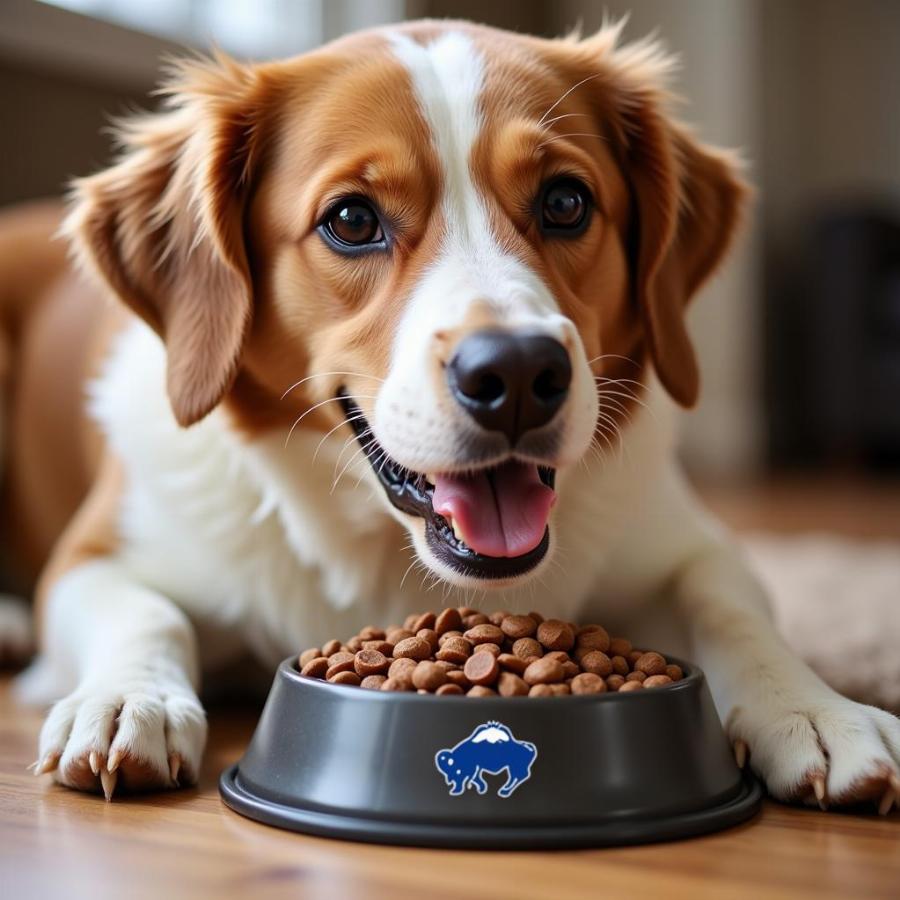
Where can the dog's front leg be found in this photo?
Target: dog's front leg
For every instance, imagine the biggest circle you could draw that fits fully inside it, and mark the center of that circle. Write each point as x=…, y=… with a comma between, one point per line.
x=805, y=741
x=133, y=717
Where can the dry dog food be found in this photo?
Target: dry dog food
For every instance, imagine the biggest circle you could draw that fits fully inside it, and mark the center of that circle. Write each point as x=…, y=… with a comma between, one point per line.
x=462, y=651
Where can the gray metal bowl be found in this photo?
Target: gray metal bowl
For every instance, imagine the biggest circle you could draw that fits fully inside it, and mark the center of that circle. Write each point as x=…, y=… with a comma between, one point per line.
x=491, y=772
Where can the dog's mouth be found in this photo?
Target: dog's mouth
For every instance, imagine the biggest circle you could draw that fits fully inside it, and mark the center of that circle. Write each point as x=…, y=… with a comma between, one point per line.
x=491, y=523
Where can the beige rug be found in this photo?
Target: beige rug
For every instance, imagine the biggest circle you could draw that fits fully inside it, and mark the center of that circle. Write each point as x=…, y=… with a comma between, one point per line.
x=837, y=603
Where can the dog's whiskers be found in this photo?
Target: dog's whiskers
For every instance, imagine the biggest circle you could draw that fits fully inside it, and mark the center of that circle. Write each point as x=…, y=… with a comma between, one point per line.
x=628, y=394
x=549, y=122
x=574, y=87
x=609, y=397
x=608, y=440
x=297, y=384
x=620, y=381
x=619, y=356
x=333, y=430
x=572, y=134
x=314, y=407
x=349, y=442
x=409, y=569
x=360, y=450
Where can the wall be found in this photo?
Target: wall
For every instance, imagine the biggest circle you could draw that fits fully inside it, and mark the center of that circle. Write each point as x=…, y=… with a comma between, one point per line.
x=829, y=114
x=61, y=77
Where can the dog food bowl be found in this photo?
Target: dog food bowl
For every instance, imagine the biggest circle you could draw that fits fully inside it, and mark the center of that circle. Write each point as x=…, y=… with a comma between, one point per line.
x=493, y=772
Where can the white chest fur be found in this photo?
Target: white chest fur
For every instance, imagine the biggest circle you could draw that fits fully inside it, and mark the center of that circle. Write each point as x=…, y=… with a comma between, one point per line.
x=252, y=537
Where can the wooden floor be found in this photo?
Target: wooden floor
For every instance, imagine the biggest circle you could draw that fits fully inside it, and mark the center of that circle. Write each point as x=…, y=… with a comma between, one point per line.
x=58, y=844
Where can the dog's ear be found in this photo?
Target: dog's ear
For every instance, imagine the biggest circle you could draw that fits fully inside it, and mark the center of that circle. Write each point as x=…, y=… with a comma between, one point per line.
x=687, y=200
x=163, y=227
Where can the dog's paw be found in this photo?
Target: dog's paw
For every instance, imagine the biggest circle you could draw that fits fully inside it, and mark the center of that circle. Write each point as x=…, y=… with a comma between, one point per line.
x=147, y=737
x=831, y=752
x=16, y=634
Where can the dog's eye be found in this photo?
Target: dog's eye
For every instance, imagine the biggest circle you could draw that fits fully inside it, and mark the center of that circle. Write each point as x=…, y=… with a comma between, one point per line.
x=564, y=206
x=353, y=223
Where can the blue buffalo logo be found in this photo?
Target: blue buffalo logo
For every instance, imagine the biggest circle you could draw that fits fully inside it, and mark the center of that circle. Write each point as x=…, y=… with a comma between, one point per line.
x=490, y=748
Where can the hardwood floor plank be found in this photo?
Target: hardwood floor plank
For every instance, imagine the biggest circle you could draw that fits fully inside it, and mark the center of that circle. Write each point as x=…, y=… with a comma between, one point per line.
x=57, y=843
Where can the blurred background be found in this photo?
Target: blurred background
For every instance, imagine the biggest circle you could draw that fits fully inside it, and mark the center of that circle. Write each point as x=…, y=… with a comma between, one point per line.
x=799, y=336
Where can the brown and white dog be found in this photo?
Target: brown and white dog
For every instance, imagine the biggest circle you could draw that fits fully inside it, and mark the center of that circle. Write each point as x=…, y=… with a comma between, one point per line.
x=405, y=310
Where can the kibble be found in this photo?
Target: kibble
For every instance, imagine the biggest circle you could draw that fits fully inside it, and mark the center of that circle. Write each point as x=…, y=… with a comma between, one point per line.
x=556, y=635
x=480, y=691
x=651, y=664
x=457, y=676
x=527, y=647
x=430, y=635
x=541, y=690
x=343, y=658
x=674, y=672
x=593, y=637
x=315, y=668
x=428, y=676
x=426, y=620
x=482, y=669
x=597, y=662
x=448, y=620
x=401, y=667
x=511, y=685
x=412, y=648
x=544, y=671
x=370, y=662
x=516, y=627
x=620, y=664
x=588, y=683
x=462, y=651
x=455, y=650
x=512, y=663
x=395, y=635
x=484, y=634
x=309, y=655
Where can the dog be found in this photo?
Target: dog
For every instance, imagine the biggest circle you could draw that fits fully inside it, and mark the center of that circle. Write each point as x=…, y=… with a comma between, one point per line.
x=404, y=313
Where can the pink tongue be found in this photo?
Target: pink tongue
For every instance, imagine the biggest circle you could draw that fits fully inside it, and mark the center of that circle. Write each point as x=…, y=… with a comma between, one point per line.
x=501, y=514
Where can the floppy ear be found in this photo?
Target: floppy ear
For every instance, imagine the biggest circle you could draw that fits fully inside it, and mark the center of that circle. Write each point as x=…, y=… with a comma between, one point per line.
x=687, y=198
x=163, y=227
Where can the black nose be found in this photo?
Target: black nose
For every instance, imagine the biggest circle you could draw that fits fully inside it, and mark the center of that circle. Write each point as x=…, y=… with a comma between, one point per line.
x=510, y=382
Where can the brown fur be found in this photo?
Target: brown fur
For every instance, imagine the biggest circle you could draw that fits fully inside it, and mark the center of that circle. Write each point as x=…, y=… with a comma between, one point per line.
x=205, y=228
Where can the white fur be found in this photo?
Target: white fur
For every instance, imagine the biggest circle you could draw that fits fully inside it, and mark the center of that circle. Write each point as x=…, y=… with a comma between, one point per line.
x=228, y=546
x=132, y=654
x=470, y=267
x=416, y=421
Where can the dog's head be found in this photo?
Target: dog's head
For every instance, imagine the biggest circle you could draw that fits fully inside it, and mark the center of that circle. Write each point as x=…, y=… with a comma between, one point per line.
x=447, y=236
